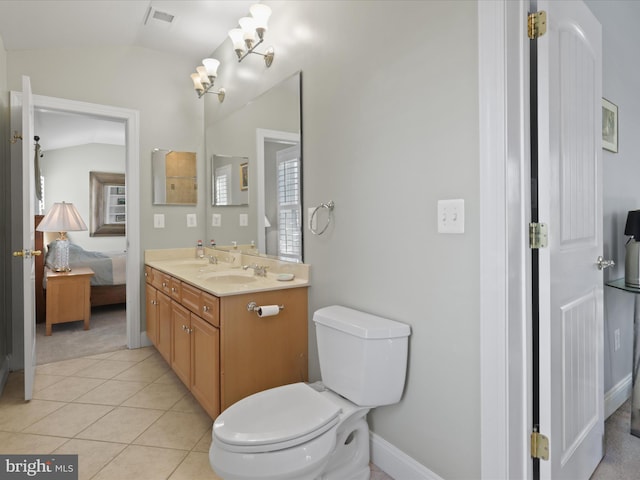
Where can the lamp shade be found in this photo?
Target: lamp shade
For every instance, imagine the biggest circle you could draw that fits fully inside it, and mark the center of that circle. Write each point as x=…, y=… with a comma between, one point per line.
x=63, y=217
x=261, y=14
x=632, y=228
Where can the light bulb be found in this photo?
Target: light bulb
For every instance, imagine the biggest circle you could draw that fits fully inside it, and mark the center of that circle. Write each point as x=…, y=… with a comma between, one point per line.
x=236, y=36
x=261, y=14
x=248, y=26
x=197, y=84
x=211, y=64
x=204, y=79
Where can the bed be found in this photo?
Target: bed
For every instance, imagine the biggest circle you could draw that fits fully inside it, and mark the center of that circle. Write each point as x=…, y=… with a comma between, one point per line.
x=108, y=284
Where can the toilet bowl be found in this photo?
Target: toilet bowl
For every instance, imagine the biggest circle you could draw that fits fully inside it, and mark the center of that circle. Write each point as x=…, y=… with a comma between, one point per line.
x=317, y=431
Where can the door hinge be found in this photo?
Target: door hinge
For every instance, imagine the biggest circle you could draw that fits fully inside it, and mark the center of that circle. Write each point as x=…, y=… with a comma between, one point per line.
x=537, y=24
x=538, y=235
x=539, y=446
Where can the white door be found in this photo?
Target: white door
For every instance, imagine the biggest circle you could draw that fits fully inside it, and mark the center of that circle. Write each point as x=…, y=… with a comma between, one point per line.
x=28, y=243
x=570, y=202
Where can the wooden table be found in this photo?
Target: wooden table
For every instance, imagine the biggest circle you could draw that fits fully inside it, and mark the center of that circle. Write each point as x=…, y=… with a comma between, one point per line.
x=68, y=297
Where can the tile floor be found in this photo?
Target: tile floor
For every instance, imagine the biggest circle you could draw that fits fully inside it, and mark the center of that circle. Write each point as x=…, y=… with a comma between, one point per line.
x=124, y=413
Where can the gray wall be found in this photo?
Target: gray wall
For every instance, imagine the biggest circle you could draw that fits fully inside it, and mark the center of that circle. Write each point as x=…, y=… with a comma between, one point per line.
x=390, y=125
x=390, y=122
x=621, y=77
x=66, y=178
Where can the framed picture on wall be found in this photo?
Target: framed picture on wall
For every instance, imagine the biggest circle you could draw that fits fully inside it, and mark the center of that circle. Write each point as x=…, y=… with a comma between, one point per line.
x=609, y=126
x=244, y=176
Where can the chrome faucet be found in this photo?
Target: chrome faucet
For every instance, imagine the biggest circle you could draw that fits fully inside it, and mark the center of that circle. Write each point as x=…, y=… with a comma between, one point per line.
x=213, y=260
x=259, y=270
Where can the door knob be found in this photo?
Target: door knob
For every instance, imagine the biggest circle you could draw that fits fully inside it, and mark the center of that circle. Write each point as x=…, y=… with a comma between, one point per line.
x=602, y=263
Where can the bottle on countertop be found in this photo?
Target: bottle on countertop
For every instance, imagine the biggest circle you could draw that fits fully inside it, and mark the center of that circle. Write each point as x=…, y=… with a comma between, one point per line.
x=199, y=250
x=213, y=243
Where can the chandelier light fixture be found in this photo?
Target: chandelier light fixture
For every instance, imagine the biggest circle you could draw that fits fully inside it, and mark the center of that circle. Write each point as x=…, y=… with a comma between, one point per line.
x=205, y=77
x=244, y=38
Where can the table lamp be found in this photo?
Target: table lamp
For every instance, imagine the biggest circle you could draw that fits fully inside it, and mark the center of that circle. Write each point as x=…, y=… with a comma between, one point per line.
x=632, y=257
x=62, y=218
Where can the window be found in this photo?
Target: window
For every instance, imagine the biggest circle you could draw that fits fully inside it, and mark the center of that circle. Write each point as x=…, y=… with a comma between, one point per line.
x=289, y=208
x=223, y=185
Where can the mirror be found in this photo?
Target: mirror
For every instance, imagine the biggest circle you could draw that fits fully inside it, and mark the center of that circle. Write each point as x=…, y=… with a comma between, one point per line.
x=230, y=180
x=264, y=134
x=108, y=201
x=175, y=179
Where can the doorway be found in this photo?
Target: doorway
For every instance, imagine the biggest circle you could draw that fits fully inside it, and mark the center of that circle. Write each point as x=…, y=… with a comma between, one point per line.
x=72, y=150
x=129, y=119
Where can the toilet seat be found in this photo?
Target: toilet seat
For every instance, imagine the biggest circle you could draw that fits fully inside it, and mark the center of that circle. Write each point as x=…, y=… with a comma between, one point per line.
x=275, y=419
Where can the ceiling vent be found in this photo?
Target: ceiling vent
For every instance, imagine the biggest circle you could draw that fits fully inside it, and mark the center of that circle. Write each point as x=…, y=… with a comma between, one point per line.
x=159, y=16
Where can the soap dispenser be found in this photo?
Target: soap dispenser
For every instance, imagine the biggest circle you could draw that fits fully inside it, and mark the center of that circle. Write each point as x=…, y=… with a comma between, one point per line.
x=199, y=250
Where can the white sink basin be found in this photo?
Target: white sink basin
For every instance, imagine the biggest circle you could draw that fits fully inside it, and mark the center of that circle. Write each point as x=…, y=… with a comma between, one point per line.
x=189, y=263
x=230, y=278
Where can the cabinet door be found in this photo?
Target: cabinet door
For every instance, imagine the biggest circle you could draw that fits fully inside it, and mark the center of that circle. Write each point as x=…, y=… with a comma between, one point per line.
x=261, y=353
x=181, y=347
x=152, y=314
x=205, y=365
x=163, y=335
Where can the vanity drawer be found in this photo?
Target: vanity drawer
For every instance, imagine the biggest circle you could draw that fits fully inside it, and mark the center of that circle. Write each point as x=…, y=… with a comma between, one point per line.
x=161, y=281
x=191, y=298
x=176, y=289
x=203, y=304
x=210, y=309
x=148, y=274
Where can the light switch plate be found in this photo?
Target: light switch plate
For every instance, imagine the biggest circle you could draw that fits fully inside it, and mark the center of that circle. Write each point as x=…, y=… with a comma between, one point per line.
x=451, y=216
x=216, y=220
x=192, y=220
x=244, y=219
x=158, y=220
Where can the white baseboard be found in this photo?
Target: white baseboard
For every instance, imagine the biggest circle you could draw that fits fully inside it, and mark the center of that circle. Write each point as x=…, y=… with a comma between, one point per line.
x=619, y=394
x=4, y=373
x=396, y=463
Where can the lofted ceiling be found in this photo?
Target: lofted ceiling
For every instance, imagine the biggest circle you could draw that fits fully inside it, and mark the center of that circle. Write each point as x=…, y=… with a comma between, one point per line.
x=196, y=30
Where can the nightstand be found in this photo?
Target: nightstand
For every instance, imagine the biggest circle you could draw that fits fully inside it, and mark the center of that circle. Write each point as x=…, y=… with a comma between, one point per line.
x=68, y=297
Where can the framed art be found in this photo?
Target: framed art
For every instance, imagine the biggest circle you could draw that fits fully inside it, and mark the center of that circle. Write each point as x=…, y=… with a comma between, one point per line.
x=244, y=176
x=609, y=126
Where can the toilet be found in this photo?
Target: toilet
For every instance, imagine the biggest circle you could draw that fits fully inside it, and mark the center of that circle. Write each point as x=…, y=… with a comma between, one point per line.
x=317, y=431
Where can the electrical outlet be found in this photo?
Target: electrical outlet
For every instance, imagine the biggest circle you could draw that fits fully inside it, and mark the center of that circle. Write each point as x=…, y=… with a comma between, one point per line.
x=616, y=340
x=192, y=220
x=451, y=216
x=216, y=220
x=158, y=220
x=244, y=219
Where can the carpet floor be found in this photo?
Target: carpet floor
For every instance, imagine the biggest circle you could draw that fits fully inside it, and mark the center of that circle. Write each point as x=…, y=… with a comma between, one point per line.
x=622, y=450
x=107, y=333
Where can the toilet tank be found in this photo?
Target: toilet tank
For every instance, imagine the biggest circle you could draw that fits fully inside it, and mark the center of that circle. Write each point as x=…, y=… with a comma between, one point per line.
x=363, y=357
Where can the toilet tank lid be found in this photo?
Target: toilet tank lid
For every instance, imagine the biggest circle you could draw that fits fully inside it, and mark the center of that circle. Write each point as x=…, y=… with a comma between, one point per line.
x=360, y=324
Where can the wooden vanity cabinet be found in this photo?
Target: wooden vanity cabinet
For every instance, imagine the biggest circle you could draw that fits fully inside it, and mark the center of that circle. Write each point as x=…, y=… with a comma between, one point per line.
x=220, y=350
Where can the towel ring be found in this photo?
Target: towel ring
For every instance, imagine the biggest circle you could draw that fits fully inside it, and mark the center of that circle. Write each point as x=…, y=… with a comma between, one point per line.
x=329, y=206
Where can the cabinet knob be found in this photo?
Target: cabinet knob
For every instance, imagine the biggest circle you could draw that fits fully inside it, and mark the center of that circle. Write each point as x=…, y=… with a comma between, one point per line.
x=164, y=284
x=205, y=308
x=173, y=289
